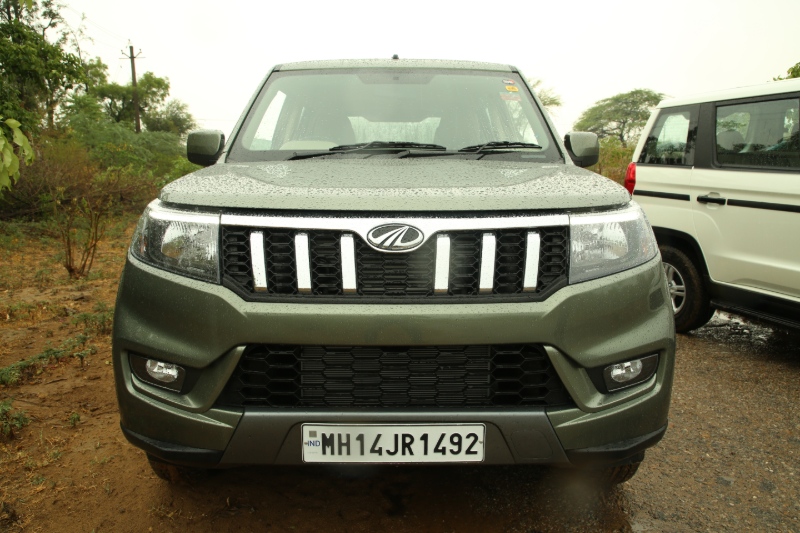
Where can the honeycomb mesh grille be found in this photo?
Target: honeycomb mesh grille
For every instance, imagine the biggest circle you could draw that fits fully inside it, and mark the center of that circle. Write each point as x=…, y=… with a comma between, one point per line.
x=281, y=266
x=465, y=263
x=326, y=263
x=382, y=275
x=372, y=376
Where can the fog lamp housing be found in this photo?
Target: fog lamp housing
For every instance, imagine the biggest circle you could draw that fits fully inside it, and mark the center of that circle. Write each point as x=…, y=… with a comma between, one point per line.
x=630, y=373
x=158, y=373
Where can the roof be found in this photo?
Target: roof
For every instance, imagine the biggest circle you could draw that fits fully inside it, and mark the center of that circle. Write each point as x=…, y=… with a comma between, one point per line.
x=763, y=89
x=395, y=63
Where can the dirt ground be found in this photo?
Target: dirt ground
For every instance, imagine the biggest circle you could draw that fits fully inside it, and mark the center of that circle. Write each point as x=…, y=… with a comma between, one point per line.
x=729, y=462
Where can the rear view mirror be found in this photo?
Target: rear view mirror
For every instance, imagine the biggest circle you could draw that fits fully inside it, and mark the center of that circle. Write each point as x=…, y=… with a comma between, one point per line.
x=583, y=148
x=203, y=147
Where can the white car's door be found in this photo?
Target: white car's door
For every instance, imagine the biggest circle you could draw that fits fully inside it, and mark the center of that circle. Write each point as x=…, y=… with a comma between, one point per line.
x=746, y=208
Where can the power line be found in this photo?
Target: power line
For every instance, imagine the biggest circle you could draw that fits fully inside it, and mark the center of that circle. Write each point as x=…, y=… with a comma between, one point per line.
x=95, y=41
x=95, y=24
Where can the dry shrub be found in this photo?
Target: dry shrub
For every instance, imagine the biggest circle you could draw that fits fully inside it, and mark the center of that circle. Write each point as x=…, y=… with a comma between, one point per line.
x=76, y=197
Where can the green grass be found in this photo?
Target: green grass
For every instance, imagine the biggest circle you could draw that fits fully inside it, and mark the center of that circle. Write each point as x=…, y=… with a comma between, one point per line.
x=15, y=372
x=24, y=310
x=97, y=323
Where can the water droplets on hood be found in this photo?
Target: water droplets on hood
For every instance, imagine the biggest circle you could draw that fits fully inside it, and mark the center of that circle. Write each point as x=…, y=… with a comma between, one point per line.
x=395, y=185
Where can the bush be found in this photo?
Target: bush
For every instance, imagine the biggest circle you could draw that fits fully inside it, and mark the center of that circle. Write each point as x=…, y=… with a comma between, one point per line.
x=75, y=195
x=614, y=159
x=114, y=144
x=11, y=420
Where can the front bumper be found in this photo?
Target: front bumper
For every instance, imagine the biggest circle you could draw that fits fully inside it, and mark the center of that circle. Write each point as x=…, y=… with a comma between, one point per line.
x=527, y=444
x=205, y=327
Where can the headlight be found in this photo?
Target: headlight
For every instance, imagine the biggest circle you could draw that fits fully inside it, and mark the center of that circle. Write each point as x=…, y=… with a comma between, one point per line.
x=603, y=244
x=179, y=241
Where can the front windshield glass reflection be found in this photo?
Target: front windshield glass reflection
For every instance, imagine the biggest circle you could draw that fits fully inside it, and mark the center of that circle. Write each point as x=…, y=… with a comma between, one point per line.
x=310, y=111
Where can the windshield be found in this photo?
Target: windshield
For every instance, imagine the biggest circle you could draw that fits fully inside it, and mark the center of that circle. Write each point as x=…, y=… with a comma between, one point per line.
x=305, y=112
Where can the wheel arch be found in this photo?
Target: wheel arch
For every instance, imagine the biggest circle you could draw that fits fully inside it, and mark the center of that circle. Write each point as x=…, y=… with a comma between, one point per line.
x=683, y=241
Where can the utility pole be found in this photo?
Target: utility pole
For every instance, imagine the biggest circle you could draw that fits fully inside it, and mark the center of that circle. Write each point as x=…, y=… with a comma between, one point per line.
x=135, y=91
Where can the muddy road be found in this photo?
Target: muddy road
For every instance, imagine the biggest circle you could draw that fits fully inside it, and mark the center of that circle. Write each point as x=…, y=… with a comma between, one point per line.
x=729, y=462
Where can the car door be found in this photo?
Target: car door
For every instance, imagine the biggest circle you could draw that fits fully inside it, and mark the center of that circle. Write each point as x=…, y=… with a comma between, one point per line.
x=746, y=195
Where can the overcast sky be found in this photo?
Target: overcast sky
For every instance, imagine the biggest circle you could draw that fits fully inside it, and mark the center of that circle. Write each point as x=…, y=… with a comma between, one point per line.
x=216, y=53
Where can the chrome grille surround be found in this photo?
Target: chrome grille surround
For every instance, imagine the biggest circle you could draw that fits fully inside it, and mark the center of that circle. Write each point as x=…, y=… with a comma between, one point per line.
x=266, y=258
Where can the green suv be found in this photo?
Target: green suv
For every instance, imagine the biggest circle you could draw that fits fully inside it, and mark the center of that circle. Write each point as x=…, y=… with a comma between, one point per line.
x=393, y=261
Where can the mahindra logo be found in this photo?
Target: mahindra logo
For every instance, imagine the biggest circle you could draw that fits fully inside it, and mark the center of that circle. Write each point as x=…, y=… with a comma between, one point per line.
x=395, y=237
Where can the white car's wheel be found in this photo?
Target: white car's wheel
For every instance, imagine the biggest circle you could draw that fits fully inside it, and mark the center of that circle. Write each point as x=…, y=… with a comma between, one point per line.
x=690, y=300
x=677, y=287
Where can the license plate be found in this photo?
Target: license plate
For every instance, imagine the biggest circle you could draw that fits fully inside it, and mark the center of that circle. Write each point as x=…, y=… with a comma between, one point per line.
x=393, y=443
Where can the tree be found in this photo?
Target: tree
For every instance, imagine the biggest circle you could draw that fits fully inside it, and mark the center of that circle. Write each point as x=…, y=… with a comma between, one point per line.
x=9, y=160
x=35, y=73
x=622, y=116
x=95, y=74
x=39, y=16
x=117, y=100
x=793, y=72
x=174, y=117
x=547, y=96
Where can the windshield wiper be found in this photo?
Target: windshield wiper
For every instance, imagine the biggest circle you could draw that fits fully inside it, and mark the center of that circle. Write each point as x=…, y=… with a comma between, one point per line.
x=494, y=145
x=383, y=146
x=386, y=145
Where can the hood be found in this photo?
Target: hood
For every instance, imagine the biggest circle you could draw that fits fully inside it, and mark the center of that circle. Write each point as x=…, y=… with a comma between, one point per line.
x=421, y=184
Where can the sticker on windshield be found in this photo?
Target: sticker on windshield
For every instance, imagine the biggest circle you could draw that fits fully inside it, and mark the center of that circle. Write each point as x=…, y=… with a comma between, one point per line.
x=512, y=89
x=510, y=97
x=509, y=82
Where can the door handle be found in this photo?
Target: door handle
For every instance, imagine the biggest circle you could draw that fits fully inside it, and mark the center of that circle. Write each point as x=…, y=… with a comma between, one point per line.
x=706, y=199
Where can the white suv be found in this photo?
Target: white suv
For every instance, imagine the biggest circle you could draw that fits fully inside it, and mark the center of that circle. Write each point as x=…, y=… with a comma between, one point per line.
x=719, y=178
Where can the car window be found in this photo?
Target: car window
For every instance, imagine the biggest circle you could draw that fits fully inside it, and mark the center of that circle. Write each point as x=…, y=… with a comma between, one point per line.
x=759, y=134
x=671, y=140
x=318, y=109
x=263, y=136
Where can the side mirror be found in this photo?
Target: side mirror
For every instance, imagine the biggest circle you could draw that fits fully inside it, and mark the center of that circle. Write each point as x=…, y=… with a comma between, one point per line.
x=204, y=146
x=583, y=148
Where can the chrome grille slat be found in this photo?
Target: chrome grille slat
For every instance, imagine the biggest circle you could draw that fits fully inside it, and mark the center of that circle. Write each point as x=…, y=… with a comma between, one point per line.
x=488, y=250
x=441, y=280
x=259, y=263
x=348, y=264
x=531, y=262
x=303, y=262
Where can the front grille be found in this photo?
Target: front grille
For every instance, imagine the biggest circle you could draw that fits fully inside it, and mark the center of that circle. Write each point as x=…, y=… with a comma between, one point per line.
x=407, y=376
x=402, y=276
x=382, y=274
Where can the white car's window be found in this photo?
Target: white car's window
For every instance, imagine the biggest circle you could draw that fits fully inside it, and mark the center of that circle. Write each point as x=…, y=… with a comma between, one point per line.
x=759, y=134
x=671, y=140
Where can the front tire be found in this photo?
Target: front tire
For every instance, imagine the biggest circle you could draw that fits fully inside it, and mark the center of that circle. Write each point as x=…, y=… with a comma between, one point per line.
x=176, y=473
x=690, y=300
x=605, y=477
x=616, y=475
